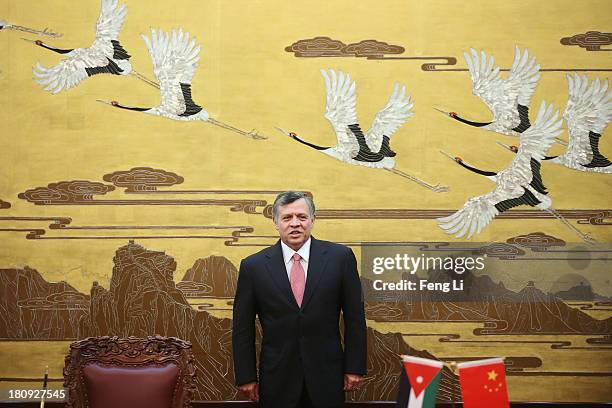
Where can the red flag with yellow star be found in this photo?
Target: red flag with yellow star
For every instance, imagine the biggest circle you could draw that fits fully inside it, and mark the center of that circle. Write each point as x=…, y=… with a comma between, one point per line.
x=483, y=383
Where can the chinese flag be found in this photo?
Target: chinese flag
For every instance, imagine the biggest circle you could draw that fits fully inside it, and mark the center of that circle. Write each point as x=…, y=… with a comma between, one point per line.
x=483, y=384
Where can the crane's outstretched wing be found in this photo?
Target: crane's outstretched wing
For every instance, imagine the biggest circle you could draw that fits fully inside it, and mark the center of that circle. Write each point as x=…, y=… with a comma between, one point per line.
x=479, y=211
x=395, y=113
x=503, y=96
x=588, y=112
x=71, y=71
x=340, y=108
x=175, y=58
x=107, y=31
x=65, y=75
x=535, y=141
x=524, y=74
x=110, y=20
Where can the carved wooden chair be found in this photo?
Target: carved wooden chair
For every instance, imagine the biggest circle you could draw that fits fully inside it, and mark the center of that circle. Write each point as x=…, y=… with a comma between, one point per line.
x=110, y=372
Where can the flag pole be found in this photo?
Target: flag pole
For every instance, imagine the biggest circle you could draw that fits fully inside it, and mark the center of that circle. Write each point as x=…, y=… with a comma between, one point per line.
x=45, y=383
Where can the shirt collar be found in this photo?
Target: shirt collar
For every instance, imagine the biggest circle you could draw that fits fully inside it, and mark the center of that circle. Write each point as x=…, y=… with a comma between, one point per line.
x=304, y=251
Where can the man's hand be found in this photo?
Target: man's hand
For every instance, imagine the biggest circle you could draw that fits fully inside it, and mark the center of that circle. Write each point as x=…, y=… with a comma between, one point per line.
x=251, y=390
x=352, y=382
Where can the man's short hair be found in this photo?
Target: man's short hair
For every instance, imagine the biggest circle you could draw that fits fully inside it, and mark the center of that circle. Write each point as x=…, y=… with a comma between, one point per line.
x=287, y=198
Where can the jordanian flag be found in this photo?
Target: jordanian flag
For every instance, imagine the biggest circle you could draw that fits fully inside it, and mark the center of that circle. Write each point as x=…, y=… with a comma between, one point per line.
x=421, y=386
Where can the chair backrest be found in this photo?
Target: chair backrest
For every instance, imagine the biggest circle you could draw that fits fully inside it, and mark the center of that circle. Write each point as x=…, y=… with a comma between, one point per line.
x=151, y=372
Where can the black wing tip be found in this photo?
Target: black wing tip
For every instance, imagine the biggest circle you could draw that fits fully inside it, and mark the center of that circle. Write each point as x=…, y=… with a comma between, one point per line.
x=364, y=154
x=524, y=117
x=599, y=160
x=110, y=68
x=536, y=179
x=119, y=53
x=526, y=199
x=191, y=108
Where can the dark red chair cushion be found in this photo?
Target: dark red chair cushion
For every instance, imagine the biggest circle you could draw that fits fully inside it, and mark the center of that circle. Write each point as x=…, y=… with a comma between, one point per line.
x=150, y=386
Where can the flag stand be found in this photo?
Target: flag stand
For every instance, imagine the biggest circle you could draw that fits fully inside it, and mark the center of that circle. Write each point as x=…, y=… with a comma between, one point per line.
x=455, y=385
x=45, y=384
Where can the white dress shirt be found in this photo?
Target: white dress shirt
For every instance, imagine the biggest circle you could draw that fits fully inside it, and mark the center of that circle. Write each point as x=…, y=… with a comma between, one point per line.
x=304, y=253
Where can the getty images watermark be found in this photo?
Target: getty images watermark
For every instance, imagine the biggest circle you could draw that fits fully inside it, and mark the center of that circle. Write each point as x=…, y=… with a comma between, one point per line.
x=403, y=273
x=508, y=272
x=409, y=264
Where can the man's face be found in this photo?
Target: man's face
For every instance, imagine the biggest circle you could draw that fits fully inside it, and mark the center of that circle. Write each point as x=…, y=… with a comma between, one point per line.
x=294, y=223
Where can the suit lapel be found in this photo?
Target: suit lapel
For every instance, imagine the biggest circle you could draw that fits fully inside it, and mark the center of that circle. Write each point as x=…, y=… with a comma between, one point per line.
x=316, y=267
x=275, y=264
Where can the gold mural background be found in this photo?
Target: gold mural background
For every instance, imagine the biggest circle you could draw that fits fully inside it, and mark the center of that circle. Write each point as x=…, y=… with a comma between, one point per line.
x=216, y=203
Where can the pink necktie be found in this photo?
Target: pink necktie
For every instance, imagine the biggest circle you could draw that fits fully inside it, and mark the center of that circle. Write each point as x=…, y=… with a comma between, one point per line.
x=298, y=282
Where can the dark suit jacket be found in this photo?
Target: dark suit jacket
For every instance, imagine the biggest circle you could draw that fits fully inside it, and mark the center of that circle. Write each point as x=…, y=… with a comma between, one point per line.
x=299, y=344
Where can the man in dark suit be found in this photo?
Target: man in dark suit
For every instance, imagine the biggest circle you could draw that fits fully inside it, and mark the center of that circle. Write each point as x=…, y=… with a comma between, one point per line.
x=297, y=288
